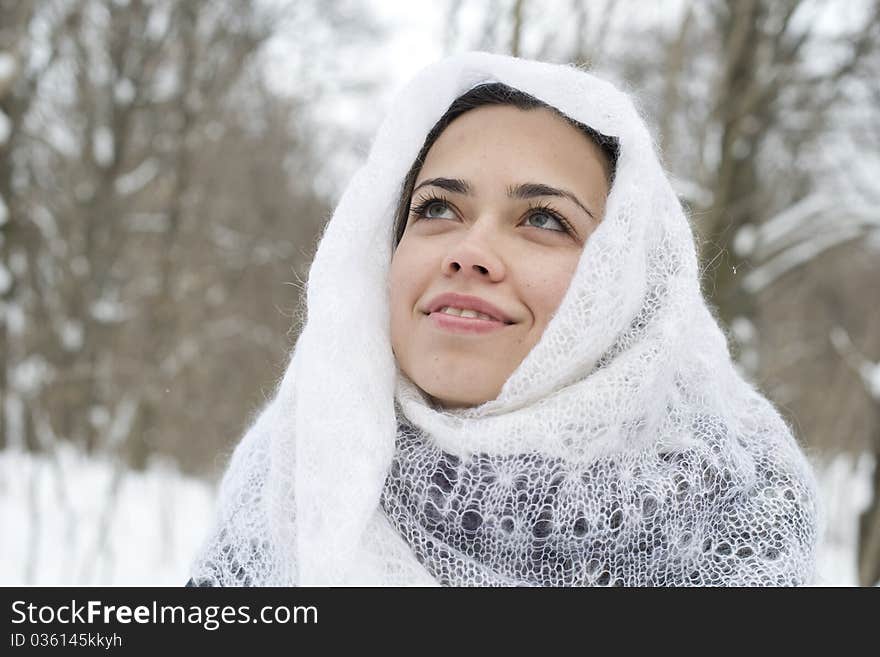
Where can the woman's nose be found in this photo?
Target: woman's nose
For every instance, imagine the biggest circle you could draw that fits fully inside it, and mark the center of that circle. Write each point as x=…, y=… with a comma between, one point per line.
x=473, y=258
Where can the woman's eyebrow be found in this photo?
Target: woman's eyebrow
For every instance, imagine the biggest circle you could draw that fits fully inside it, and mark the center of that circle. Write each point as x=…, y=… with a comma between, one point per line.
x=456, y=185
x=521, y=191
x=532, y=190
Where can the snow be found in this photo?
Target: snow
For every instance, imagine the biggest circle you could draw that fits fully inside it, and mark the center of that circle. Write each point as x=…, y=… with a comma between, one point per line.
x=157, y=21
x=744, y=332
x=5, y=127
x=99, y=416
x=867, y=370
x=71, y=335
x=845, y=484
x=155, y=520
x=871, y=376
x=7, y=67
x=18, y=262
x=794, y=217
x=800, y=233
x=29, y=375
x=138, y=178
x=62, y=140
x=45, y=221
x=743, y=329
x=15, y=318
x=102, y=146
x=745, y=241
x=108, y=311
x=121, y=422
x=691, y=191
x=123, y=92
x=792, y=258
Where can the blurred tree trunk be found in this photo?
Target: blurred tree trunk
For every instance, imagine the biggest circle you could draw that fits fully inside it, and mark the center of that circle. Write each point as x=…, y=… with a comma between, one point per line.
x=743, y=110
x=19, y=243
x=517, y=21
x=14, y=18
x=159, y=196
x=677, y=51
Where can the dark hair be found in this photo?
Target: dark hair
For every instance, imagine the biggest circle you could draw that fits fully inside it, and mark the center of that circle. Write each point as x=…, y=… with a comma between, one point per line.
x=494, y=93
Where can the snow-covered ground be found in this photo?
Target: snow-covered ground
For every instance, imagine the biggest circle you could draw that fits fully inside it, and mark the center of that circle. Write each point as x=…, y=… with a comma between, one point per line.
x=96, y=525
x=78, y=521
x=845, y=482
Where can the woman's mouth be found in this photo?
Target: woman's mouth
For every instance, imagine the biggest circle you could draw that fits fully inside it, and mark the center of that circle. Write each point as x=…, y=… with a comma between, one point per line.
x=455, y=320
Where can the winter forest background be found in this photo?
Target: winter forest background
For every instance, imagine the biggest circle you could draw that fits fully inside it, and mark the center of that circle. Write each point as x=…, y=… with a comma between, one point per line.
x=166, y=167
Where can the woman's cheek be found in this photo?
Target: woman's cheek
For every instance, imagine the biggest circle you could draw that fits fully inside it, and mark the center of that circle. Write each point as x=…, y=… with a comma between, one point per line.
x=552, y=282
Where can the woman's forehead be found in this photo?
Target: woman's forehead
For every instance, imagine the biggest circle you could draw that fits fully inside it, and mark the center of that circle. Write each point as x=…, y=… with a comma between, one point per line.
x=505, y=146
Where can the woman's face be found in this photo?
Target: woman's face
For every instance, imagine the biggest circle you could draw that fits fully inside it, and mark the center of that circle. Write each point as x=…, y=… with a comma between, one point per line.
x=503, y=205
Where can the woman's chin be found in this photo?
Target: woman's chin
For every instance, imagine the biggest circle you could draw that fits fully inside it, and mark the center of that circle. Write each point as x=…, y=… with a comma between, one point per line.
x=453, y=397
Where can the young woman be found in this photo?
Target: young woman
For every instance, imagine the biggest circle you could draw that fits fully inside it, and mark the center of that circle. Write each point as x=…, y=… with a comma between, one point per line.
x=508, y=374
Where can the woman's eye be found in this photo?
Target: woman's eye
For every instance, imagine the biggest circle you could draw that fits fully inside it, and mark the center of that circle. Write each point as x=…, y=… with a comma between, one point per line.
x=546, y=219
x=435, y=209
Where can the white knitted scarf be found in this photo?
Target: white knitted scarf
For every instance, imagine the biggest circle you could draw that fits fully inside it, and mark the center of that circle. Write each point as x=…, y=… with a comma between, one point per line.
x=625, y=448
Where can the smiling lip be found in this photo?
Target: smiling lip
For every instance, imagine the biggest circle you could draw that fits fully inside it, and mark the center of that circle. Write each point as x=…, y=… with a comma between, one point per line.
x=466, y=302
x=473, y=325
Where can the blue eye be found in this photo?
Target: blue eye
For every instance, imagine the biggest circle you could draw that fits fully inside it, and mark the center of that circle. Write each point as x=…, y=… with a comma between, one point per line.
x=434, y=209
x=547, y=217
x=431, y=207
